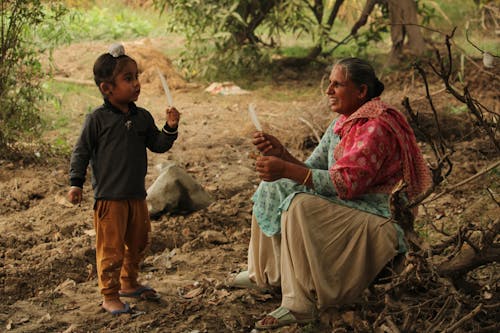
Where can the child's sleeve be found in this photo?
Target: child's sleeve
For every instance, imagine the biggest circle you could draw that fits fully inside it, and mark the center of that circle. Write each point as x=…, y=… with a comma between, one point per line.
x=81, y=153
x=160, y=141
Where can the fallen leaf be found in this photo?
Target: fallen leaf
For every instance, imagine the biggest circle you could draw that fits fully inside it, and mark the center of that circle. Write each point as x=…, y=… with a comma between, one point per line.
x=45, y=318
x=72, y=328
x=487, y=295
x=193, y=293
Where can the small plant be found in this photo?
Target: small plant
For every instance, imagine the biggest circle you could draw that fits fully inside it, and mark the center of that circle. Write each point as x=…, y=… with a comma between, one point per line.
x=458, y=109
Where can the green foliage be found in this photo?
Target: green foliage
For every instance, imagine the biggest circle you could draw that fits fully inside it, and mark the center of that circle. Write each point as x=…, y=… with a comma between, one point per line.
x=426, y=12
x=294, y=51
x=377, y=31
x=216, y=35
x=231, y=36
x=458, y=109
x=20, y=69
x=108, y=23
x=63, y=113
x=452, y=12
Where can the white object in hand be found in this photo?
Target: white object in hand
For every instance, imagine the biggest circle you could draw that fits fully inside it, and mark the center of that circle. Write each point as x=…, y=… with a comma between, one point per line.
x=253, y=116
x=165, y=88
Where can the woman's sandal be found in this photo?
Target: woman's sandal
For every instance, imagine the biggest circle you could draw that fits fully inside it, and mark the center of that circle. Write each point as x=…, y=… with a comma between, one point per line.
x=242, y=280
x=283, y=317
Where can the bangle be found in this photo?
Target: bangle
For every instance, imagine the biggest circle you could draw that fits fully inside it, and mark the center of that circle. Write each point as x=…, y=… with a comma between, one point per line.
x=307, y=176
x=168, y=132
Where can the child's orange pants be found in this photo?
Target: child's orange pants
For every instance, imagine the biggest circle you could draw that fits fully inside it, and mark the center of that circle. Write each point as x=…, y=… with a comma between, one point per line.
x=122, y=236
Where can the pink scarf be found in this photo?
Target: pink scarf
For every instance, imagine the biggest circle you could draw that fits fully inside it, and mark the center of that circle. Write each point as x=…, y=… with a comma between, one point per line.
x=416, y=174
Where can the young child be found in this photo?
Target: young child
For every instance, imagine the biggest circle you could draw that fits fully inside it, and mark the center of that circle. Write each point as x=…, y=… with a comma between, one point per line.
x=114, y=139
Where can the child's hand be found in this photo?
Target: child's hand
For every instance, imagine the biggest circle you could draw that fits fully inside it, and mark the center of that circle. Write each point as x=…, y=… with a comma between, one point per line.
x=173, y=117
x=75, y=195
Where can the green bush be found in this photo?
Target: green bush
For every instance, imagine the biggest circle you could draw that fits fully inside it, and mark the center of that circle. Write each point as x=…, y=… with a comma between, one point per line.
x=109, y=21
x=20, y=69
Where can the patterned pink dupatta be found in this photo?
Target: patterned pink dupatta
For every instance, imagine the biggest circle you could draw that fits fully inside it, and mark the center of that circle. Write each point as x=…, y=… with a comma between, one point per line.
x=416, y=174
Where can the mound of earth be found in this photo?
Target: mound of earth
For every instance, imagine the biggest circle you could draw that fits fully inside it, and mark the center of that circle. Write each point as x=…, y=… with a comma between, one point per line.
x=74, y=63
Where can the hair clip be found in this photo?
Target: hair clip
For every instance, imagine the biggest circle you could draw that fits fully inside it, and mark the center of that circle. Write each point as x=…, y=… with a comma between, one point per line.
x=116, y=50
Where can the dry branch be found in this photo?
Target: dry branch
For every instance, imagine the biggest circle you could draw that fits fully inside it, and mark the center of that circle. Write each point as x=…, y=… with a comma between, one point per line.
x=471, y=178
x=464, y=319
x=469, y=258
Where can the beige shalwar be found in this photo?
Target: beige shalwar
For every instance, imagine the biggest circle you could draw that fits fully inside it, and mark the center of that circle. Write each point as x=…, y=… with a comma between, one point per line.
x=326, y=254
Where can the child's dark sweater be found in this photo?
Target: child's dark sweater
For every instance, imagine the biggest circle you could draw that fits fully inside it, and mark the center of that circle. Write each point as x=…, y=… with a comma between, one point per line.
x=115, y=145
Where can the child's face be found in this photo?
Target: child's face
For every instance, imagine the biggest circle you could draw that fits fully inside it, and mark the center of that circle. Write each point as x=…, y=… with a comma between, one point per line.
x=126, y=87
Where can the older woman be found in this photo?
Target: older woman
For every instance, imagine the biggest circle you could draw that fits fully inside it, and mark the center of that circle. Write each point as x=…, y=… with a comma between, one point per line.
x=321, y=229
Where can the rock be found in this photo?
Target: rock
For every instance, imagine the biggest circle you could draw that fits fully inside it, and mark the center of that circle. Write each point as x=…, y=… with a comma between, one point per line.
x=164, y=260
x=175, y=191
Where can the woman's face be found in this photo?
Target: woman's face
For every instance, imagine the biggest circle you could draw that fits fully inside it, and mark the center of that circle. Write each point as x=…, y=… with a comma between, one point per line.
x=343, y=95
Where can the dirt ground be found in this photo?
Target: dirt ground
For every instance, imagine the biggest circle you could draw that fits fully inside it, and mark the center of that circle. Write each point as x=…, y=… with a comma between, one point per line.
x=47, y=267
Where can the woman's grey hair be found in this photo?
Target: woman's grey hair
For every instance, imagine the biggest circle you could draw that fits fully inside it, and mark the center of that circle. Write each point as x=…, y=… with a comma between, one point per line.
x=361, y=72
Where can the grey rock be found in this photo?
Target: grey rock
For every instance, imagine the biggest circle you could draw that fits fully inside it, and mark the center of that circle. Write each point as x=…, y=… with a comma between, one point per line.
x=175, y=191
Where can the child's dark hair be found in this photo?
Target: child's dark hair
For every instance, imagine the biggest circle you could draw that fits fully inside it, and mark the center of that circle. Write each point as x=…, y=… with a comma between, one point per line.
x=106, y=67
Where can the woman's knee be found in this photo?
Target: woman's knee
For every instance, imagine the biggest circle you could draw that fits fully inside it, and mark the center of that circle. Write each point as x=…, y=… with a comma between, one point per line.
x=300, y=201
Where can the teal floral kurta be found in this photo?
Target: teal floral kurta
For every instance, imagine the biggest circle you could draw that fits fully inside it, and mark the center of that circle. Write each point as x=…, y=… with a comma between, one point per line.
x=271, y=198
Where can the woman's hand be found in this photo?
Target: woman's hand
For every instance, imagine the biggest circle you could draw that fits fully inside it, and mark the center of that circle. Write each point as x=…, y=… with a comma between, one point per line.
x=268, y=145
x=270, y=168
x=75, y=195
x=173, y=117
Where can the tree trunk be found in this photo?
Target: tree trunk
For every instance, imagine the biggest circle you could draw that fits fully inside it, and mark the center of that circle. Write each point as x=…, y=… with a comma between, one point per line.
x=404, y=22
